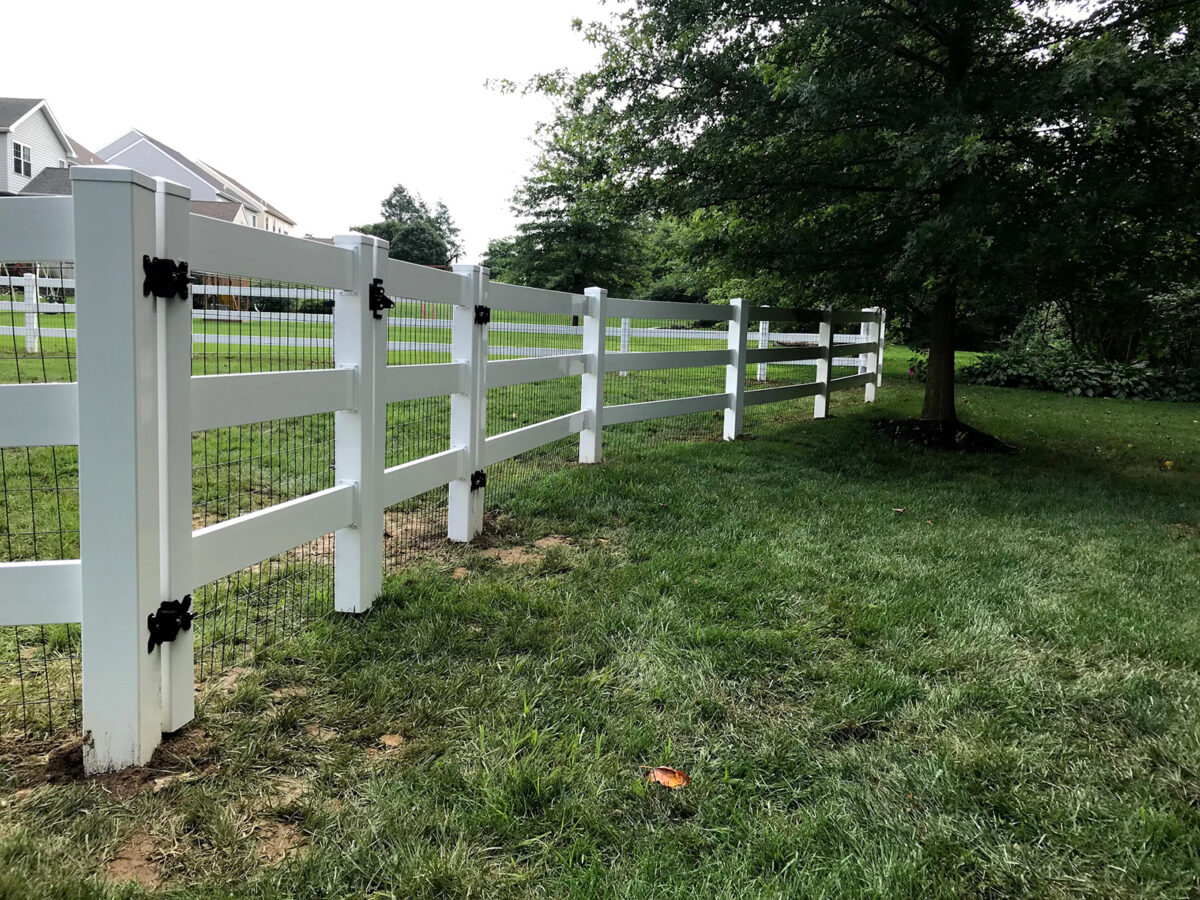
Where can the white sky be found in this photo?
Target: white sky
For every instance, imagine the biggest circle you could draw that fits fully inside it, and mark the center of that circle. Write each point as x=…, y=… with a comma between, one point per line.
x=321, y=108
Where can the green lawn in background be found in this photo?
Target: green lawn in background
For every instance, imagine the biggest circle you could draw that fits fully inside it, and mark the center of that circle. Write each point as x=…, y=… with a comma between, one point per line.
x=992, y=693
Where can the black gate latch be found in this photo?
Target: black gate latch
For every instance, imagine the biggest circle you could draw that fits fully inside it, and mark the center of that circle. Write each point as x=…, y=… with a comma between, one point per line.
x=478, y=480
x=483, y=315
x=165, y=278
x=173, y=616
x=378, y=300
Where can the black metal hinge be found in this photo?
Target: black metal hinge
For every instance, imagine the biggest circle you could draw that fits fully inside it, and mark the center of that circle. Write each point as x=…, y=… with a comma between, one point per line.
x=173, y=616
x=483, y=315
x=165, y=278
x=478, y=480
x=378, y=300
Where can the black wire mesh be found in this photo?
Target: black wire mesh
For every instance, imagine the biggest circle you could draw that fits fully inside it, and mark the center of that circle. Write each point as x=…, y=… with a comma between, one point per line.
x=418, y=333
x=246, y=325
x=517, y=335
x=39, y=500
x=646, y=335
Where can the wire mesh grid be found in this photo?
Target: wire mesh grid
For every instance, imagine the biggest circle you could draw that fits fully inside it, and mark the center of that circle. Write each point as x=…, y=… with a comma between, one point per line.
x=645, y=335
x=418, y=333
x=246, y=325
x=515, y=335
x=39, y=500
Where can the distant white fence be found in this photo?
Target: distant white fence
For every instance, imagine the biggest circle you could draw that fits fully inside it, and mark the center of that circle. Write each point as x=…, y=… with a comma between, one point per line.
x=32, y=328
x=136, y=404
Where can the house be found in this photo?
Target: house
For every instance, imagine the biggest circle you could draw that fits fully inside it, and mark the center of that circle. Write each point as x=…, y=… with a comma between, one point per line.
x=138, y=150
x=225, y=210
x=31, y=141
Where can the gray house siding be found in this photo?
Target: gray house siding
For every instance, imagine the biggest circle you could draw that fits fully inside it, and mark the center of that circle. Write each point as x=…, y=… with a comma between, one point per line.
x=47, y=151
x=145, y=157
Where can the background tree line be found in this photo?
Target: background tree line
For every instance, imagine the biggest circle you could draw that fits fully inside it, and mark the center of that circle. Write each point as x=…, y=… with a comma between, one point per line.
x=984, y=169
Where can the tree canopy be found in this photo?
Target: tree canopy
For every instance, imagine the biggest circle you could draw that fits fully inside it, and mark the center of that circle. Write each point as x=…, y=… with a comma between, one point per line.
x=567, y=240
x=416, y=233
x=937, y=157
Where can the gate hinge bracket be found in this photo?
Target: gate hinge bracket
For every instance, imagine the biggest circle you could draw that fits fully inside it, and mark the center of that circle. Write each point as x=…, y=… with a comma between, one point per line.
x=478, y=480
x=377, y=299
x=165, y=278
x=483, y=315
x=173, y=616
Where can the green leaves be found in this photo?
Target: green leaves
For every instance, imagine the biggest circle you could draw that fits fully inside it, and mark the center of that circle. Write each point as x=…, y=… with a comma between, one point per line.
x=855, y=151
x=416, y=233
x=1065, y=373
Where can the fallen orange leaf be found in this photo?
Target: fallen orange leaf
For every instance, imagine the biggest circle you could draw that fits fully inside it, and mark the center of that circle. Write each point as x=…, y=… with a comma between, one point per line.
x=668, y=777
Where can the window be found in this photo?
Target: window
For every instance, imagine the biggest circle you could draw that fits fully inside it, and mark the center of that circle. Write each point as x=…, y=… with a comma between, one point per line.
x=22, y=160
x=253, y=220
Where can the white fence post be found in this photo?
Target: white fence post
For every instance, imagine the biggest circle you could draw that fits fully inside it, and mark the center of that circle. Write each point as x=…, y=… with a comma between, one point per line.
x=764, y=341
x=624, y=338
x=595, y=331
x=114, y=212
x=869, y=362
x=864, y=331
x=30, y=296
x=879, y=354
x=360, y=343
x=735, y=371
x=824, y=366
x=175, y=454
x=468, y=411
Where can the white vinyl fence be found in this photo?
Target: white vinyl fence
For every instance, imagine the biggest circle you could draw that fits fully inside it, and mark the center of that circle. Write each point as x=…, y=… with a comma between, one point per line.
x=135, y=406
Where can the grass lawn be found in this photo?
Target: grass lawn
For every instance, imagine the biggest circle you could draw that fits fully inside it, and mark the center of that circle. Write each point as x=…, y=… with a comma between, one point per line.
x=994, y=693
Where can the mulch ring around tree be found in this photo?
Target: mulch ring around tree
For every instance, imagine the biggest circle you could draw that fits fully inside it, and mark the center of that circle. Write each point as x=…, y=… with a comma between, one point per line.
x=943, y=436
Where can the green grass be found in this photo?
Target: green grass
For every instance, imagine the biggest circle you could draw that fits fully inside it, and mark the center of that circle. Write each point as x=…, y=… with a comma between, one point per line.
x=241, y=469
x=992, y=694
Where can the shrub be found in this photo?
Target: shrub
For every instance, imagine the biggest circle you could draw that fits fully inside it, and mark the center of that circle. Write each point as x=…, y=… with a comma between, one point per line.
x=1066, y=373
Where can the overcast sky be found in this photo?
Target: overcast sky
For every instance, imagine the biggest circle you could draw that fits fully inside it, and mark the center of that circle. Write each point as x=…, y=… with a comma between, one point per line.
x=321, y=108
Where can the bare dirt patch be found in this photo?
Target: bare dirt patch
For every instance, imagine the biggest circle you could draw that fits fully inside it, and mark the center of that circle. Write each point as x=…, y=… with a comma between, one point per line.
x=402, y=533
x=224, y=682
x=518, y=556
x=320, y=732
x=287, y=789
x=185, y=752
x=277, y=841
x=389, y=744
x=512, y=556
x=136, y=861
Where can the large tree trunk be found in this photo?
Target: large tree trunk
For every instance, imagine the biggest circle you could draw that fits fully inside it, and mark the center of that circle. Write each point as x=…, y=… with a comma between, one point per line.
x=939, y=380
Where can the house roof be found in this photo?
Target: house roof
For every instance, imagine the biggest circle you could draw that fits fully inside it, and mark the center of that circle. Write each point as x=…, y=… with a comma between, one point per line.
x=113, y=149
x=58, y=181
x=216, y=209
x=219, y=181
x=84, y=156
x=51, y=180
x=13, y=110
x=237, y=187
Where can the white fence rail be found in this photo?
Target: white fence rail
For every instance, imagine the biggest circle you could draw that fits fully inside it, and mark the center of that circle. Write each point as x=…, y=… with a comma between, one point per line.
x=136, y=405
x=780, y=341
